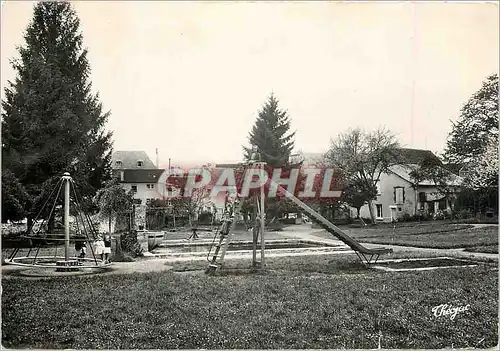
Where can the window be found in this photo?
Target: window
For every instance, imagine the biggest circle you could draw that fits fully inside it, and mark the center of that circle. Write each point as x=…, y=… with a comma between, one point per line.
x=118, y=163
x=379, y=211
x=134, y=188
x=399, y=195
x=150, y=186
x=140, y=163
x=422, y=196
x=442, y=205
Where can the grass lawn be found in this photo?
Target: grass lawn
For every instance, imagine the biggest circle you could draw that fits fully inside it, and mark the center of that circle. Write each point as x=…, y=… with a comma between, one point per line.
x=425, y=235
x=484, y=248
x=304, y=302
x=468, y=237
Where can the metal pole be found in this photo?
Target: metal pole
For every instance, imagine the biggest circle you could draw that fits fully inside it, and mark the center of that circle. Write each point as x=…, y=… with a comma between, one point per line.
x=67, y=178
x=262, y=222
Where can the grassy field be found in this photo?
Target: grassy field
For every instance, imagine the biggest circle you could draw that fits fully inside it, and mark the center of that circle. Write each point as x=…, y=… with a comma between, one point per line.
x=484, y=248
x=426, y=235
x=304, y=302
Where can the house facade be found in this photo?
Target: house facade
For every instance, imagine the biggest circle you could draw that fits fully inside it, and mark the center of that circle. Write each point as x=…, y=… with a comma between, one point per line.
x=399, y=195
x=137, y=173
x=143, y=183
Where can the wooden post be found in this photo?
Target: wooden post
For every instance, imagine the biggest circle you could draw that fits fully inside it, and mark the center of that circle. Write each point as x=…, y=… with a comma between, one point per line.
x=255, y=233
x=262, y=222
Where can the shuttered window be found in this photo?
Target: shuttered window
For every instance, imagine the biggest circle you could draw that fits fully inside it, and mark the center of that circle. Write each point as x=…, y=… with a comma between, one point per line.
x=399, y=195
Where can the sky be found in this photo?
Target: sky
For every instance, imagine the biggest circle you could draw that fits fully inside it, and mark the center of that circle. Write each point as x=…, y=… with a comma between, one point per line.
x=188, y=78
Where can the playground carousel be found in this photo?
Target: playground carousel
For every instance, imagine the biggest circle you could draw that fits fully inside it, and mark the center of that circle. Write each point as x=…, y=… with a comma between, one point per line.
x=51, y=250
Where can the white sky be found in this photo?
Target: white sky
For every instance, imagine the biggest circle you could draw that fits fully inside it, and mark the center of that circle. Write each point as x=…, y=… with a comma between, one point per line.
x=188, y=78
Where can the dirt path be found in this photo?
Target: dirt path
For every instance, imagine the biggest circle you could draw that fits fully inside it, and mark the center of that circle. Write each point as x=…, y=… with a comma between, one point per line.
x=303, y=232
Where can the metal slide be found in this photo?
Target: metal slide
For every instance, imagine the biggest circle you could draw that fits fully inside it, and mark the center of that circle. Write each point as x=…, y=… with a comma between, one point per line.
x=365, y=254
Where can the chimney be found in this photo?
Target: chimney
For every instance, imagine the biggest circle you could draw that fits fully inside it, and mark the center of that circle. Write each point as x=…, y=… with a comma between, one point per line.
x=157, y=159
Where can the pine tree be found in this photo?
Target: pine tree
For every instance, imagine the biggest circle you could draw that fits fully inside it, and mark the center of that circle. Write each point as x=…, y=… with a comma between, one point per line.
x=51, y=121
x=270, y=135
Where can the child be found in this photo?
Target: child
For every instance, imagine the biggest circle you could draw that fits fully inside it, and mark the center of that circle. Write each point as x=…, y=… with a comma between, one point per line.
x=83, y=250
x=107, y=247
x=99, y=247
x=78, y=248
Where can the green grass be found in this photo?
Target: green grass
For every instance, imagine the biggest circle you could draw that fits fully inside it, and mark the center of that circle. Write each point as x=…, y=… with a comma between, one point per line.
x=347, y=263
x=427, y=263
x=469, y=237
x=405, y=229
x=425, y=235
x=304, y=302
x=484, y=248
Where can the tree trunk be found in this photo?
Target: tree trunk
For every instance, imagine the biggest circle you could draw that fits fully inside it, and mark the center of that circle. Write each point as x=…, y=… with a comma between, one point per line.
x=416, y=200
x=358, y=210
x=255, y=234
x=109, y=225
x=30, y=223
x=370, y=207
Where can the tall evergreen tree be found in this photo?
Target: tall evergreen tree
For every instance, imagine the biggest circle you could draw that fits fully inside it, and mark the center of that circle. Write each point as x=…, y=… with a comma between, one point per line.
x=270, y=135
x=51, y=121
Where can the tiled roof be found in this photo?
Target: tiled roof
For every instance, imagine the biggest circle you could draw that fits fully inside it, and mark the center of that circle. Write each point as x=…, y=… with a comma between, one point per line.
x=415, y=156
x=129, y=160
x=404, y=172
x=139, y=175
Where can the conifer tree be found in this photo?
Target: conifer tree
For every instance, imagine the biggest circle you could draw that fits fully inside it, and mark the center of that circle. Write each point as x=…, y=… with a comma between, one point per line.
x=270, y=135
x=51, y=121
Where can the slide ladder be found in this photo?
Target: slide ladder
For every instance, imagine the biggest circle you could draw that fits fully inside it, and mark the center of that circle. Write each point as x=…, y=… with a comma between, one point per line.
x=224, y=234
x=225, y=230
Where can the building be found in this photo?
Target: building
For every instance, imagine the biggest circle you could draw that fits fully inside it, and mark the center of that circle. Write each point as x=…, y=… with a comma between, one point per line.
x=398, y=195
x=137, y=173
x=142, y=182
x=131, y=160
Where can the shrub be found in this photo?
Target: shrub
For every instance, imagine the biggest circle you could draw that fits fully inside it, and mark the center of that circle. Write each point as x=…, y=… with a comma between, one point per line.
x=130, y=244
x=406, y=217
x=275, y=226
x=288, y=220
x=438, y=215
x=205, y=217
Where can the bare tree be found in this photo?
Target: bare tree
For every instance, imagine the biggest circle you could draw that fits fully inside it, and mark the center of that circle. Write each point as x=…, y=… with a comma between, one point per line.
x=192, y=200
x=363, y=157
x=197, y=200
